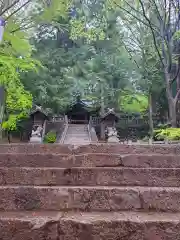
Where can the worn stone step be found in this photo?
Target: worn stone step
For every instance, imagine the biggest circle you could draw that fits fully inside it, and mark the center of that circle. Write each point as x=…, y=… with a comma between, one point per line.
x=77, y=132
x=120, y=226
x=89, y=160
x=108, y=176
x=72, y=135
x=92, y=148
x=150, y=160
x=77, y=140
x=29, y=225
x=57, y=160
x=78, y=137
x=75, y=136
x=90, y=226
x=89, y=198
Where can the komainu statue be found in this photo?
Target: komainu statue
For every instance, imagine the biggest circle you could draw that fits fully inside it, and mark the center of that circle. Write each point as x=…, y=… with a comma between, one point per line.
x=36, y=135
x=112, y=135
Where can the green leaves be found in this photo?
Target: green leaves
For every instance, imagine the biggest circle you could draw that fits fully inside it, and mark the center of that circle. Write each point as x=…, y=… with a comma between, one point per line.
x=16, y=52
x=15, y=42
x=52, y=11
x=134, y=103
x=113, y=4
x=80, y=29
x=18, y=100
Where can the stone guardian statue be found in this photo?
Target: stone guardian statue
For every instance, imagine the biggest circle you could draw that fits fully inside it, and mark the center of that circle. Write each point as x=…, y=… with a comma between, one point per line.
x=112, y=135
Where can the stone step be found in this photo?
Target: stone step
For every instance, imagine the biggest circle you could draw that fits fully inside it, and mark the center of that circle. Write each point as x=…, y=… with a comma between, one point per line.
x=78, y=133
x=77, y=138
x=108, y=176
x=77, y=125
x=88, y=160
x=80, y=143
x=90, y=198
x=90, y=226
x=79, y=130
x=69, y=134
x=93, y=148
x=82, y=128
x=75, y=141
x=29, y=225
x=120, y=226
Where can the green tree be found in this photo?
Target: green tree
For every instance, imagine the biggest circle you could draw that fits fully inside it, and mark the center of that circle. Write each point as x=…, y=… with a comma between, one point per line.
x=134, y=103
x=100, y=67
x=162, y=20
x=16, y=50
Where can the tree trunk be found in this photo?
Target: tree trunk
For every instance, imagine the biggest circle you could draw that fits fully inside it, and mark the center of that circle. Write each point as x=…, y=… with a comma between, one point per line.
x=9, y=137
x=178, y=75
x=172, y=110
x=173, y=113
x=151, y=125
x=171, y=101
x=102, y=112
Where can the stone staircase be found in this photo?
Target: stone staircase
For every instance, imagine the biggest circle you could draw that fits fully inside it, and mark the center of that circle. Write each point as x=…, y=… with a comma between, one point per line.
x=91, y=192
x=77, y=134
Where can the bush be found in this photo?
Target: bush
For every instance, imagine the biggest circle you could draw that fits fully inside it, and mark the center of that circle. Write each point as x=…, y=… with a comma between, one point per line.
x=50, y=137
x=164, y=125
x=167, y=134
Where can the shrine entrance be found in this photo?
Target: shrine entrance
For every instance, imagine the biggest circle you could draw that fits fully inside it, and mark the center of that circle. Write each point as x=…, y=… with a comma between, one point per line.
x=78, y=113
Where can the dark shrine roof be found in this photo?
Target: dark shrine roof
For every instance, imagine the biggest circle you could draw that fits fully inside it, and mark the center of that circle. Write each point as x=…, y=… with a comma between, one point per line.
x=80, y=104
x=108, y=113
x=39, y=109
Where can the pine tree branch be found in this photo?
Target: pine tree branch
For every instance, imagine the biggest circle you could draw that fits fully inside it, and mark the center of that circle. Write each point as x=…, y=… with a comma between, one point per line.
x=23, y=27
x=9, y=7
x=18, y=9
x=157, y=10
x=152, y=31
x=129, y=13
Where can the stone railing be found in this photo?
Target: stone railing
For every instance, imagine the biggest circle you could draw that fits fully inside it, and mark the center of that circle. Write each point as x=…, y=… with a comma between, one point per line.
x=57, y=125
x=64, y=132
x=44, y=130
x=132, y=121
x=92, y=132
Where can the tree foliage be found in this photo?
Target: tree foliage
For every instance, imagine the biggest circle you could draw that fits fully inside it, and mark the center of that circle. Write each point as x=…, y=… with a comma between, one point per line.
x=117, y=53
x=100, y=67
x=16, y=51
x=135, y=103
x=161, y=19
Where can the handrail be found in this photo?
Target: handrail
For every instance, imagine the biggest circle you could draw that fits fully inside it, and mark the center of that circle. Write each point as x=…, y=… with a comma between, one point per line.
x=65, y=130
x=93, y=133
x=44, y=131
x=89, y=131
